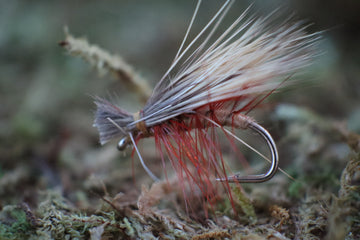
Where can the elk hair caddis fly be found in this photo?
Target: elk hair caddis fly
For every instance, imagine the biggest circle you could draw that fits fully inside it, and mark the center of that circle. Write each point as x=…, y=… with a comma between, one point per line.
x=218, y=82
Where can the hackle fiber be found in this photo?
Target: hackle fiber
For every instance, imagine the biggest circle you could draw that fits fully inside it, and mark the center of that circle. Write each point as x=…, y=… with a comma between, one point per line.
x=250, y=58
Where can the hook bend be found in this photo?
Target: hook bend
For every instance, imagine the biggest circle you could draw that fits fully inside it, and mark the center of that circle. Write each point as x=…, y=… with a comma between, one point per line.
x=274, y=160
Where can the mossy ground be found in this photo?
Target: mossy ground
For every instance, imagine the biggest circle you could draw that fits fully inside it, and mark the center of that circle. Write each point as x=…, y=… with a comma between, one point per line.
x=56, y=182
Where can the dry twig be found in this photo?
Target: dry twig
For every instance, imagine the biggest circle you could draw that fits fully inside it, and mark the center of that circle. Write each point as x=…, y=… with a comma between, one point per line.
x=104, y=62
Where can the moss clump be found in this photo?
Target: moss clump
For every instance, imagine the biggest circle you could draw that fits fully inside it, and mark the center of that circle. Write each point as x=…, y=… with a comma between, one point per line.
x=59, y=220
x=14, y=223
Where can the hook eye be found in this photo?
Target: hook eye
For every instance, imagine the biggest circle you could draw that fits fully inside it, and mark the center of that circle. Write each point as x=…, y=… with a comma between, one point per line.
x=122, y=144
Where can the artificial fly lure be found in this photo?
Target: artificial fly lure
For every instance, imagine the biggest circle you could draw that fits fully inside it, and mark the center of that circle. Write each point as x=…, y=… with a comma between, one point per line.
x=218, y=82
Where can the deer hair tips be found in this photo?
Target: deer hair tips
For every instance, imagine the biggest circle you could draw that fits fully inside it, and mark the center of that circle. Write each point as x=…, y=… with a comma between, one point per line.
x=215, y=86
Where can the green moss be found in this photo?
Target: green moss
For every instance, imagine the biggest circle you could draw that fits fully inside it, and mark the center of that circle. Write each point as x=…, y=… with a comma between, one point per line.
x=14, y=224
x=130, y=231
x=296, y=189
x=244, y=203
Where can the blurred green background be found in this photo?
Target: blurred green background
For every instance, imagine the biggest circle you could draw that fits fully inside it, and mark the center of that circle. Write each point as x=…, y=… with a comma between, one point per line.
x=46, y=111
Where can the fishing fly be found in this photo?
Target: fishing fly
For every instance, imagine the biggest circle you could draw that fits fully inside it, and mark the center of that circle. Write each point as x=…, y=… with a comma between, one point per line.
x=217, y=83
